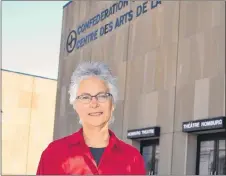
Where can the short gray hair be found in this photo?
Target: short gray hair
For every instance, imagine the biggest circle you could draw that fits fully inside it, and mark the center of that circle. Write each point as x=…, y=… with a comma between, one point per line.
x=88, y=69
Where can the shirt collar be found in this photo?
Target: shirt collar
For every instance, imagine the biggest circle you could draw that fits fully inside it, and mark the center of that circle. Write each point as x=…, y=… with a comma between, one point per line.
x=78, y=139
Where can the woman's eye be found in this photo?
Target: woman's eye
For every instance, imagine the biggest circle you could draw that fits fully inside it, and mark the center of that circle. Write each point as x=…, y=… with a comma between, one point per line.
x=102, y=96
x=85, y=97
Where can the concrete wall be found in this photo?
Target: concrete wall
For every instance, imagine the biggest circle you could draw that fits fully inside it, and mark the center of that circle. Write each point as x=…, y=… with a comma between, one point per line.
x=171, y=68
x=28, y=105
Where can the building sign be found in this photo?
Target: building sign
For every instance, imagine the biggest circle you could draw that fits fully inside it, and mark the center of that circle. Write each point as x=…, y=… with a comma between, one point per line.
x=143, y=133
x=204, y=124
x=77, y=39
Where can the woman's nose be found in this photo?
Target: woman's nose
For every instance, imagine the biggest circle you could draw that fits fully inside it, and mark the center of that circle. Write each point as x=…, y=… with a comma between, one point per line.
x=94, y=102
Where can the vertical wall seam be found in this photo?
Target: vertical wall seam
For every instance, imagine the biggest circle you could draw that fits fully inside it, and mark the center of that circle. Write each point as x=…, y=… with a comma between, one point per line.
x=126, y=75
x=224, y=60
x=175, y=94
x=29, y=129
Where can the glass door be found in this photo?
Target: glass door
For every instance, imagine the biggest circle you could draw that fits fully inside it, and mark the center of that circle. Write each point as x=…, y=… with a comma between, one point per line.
x=206, y=158
x=147, y=154
x=221, y=158
x=150, y=153
x=156, y=159
x=211, y=156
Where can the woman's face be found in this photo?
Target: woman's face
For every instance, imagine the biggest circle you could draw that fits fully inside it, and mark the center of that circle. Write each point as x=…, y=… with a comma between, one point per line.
x=93, y=112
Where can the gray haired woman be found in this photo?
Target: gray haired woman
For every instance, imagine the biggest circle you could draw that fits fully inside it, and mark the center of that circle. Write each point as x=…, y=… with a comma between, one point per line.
x=94, y=148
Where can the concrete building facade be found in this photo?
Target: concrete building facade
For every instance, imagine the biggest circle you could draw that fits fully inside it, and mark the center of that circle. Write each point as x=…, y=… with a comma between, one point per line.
x=169, y=57
x=27, y=118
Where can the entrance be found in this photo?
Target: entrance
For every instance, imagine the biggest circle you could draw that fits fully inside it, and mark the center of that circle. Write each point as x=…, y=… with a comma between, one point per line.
x=211, y=155
x=150, y=152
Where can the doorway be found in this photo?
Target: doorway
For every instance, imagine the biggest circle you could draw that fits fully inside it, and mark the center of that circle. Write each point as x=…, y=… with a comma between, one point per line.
x=150, y=152
x=211, y=154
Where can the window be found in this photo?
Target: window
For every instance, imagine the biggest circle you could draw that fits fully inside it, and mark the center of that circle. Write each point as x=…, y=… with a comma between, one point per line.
x=150, y=152
x=211, y=155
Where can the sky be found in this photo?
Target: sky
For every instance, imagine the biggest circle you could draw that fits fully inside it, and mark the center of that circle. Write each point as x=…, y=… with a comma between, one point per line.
x=31, y=34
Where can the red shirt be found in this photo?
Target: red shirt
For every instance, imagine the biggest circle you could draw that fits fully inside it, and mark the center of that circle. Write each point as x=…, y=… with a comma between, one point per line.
x=70, y=155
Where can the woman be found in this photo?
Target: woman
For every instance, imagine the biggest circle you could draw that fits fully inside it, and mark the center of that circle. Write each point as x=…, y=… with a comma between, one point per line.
x=94, y=149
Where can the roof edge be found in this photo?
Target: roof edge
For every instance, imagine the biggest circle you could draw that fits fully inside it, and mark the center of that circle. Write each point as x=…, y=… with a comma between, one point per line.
x=67, y=4
x=21, y=73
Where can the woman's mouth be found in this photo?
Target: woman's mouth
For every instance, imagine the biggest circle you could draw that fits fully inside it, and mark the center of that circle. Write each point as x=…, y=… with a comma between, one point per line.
x=95, y=113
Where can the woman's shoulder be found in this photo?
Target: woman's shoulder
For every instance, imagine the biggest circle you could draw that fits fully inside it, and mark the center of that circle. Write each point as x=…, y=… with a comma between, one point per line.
x=59, y=144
